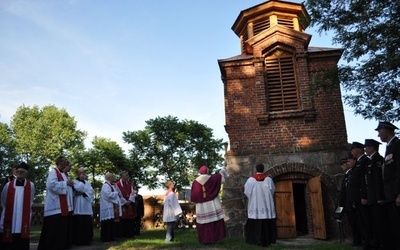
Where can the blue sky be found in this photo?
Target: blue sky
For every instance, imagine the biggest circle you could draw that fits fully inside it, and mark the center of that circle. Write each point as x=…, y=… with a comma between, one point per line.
x=115, y=64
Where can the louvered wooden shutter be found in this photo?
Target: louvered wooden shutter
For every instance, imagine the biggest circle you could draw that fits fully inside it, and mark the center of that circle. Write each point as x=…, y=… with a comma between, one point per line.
x=281, y=83
x=260, y=26
x=288, y=22
x=245, y=36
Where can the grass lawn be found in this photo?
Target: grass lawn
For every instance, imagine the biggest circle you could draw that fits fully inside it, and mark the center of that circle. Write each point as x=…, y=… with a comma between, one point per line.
x=187, y=239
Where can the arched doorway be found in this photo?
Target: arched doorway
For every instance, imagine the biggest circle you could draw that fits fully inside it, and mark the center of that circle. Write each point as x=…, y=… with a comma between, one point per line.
x=303, y=201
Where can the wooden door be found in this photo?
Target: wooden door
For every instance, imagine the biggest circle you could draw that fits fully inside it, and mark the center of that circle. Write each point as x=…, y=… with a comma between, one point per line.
x=284, y=205
x=317, y=208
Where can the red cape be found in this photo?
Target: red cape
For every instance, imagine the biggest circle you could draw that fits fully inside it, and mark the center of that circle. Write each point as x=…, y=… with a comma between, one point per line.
x=212, y=188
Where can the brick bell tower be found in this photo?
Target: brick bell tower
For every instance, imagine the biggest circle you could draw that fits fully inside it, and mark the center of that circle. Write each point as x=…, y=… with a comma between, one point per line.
x=283, y=108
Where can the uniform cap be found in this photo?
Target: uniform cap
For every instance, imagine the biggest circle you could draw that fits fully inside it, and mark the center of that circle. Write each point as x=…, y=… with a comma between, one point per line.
x=372, y=142
x=357, y=145
x=386, y=125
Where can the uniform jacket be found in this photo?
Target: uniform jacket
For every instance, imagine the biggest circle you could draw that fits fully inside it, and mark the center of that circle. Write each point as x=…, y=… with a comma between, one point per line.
x=391, y=170
x=373, y=188
x=139, y=205
x=352, y=184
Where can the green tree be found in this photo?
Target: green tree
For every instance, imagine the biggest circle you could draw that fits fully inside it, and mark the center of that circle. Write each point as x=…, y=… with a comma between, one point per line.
x=105, y=156
x=369, y=33
x=171, y=149
x=7, y=151
x=41, y=135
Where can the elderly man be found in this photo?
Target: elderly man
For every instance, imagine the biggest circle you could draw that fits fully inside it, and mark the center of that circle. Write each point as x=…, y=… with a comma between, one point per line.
x=391, y=183
x=83, y=211
x=16, y=200
x=209, y=214
x=125, y=190
x=110, y=209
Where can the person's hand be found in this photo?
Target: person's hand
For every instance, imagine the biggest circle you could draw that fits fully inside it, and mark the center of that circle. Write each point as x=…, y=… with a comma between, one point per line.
x=70, y=183
x=398, y=201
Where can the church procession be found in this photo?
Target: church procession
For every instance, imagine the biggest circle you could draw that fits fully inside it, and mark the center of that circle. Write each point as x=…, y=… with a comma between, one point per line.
x=288, y=173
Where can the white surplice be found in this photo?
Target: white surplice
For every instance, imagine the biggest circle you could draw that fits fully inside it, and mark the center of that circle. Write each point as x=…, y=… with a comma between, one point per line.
x=171, y=208
x=260, y=196
x=54, y=188
x=108, y=197
x=82, y=204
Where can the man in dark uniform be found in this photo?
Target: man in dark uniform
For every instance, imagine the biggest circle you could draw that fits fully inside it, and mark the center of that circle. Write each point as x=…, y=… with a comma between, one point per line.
x=372, y=195
x=391, y=181
x=351, y=193
x=139, y=210
x=357, y=183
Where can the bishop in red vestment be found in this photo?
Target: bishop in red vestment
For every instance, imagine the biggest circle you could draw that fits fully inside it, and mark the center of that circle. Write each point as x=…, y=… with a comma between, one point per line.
x=209, y=214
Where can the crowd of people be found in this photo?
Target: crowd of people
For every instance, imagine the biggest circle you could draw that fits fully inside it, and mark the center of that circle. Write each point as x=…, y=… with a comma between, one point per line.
x=68, y=208
x=370, y=197
x=121, y=208
x=370, y=191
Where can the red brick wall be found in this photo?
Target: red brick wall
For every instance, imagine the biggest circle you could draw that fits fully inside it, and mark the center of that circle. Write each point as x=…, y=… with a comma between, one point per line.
x=245, y=100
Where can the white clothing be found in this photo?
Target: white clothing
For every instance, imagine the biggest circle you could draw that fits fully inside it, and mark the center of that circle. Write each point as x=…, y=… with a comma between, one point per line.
x=261, y=198
x=18, y=206
x=171, y=208
x=108, y=197
x=211, y=211
x=70, y=192
x=83, y=205
x=53, y=189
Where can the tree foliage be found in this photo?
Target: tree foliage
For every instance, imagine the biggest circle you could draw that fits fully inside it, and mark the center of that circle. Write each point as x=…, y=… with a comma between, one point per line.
x=105, y=156
x=41, y=135
x=369, y=33
x=169, y=149
x=8, y=155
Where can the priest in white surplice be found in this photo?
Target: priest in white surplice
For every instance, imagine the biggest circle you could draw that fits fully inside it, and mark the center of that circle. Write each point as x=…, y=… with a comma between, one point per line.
x=260, y=228
x=110, y=209
x=83, y=211
x=76, y=186
x=16, y=201
x=56, y=209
